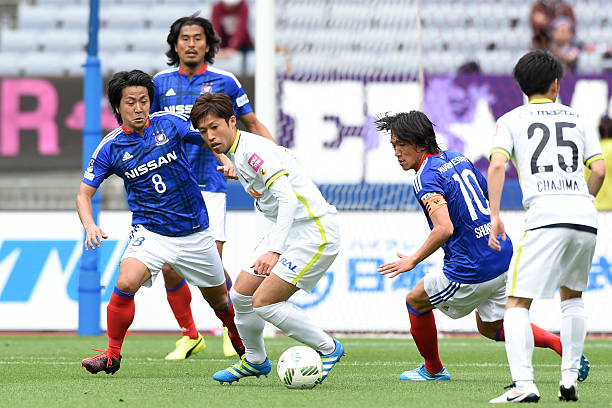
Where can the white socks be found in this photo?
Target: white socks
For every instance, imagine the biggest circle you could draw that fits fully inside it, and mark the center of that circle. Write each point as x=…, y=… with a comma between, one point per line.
x=295, y=323
x=519, y=346
x=573, y=332
x=250, y=327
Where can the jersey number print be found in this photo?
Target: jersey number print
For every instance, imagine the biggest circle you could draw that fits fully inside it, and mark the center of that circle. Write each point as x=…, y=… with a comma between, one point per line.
x=468, y=181
x=561, y=142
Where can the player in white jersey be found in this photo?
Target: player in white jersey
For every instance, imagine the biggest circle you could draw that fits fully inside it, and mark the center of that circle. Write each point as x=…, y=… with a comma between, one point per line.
x=549, y=145
x=302, y=244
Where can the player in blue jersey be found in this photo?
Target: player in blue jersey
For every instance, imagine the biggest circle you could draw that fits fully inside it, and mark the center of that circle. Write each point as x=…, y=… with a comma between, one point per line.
x=454, y=197
x=169, y=217
x=192, y=46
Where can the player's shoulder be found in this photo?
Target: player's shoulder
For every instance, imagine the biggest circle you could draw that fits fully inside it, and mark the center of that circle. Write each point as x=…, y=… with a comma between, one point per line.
x=161, y=116
x=166, y=73
x=228, y=76
x=107, y=140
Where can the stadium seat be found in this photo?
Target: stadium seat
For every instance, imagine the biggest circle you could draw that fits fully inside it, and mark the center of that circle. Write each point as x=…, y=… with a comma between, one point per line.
x=44, y=64
x=38, y=17
x=161, y=16
x=73, y=64
x=64, y=41
x=24, y=41
x=232, y=64
x=153, y=41
x=12, y=64
x=123, y=17
x=110, y=40
x=75, y=17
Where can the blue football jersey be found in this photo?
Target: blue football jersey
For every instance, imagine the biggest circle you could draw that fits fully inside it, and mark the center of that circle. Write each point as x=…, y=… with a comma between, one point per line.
x=161, y=191
x=175, y=93
x=467, y=255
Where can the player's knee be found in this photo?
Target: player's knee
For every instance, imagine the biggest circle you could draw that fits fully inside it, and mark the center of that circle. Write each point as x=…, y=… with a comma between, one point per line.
x=127, y=285
x=171, y=278
x=259, y=300
x=242, y=303
x=220, y=302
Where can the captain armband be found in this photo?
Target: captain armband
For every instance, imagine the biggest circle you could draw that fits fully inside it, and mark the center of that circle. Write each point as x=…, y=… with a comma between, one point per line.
x=433, y=202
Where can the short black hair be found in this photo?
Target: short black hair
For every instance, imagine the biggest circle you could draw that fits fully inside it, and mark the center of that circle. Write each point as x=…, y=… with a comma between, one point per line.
x=536, y=71
x=212, y=39
x=412, y=127
x=124, y=79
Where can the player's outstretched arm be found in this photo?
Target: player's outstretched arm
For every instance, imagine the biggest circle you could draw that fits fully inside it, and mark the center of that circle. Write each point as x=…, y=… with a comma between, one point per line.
x=496, y=176
x=596, y=178
x=226, y=167
x=442, y=230
x=255, y=126
x=93, y=234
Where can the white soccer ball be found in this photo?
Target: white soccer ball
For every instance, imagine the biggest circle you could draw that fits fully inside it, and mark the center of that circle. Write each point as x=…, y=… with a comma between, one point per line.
x=299, y=367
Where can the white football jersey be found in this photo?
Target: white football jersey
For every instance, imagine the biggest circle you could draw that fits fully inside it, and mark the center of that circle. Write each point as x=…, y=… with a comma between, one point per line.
x=259, y=162
x=550, y=145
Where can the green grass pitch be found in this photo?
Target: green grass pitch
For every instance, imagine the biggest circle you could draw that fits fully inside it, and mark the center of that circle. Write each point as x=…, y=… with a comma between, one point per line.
x=46, y=372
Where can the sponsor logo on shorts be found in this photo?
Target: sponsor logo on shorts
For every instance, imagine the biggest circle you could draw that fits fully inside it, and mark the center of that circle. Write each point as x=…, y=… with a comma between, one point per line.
x=288, y=264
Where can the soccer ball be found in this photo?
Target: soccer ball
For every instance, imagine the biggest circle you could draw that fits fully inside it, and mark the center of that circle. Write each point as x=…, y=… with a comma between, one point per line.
x=299, y=367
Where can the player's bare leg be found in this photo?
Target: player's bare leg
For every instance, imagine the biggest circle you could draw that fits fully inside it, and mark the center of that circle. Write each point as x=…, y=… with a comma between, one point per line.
x=119, y=316
x=179, y=298
x=218, y=298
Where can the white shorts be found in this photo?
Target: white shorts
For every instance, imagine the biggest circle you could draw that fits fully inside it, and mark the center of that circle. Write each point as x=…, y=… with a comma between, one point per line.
x=549, y=258
x=194, y=257
x=309, y=251
x=216, y=207
x=459, y=299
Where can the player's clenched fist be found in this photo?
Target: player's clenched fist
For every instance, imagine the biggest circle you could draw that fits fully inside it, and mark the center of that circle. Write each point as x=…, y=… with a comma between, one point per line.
x=264, y=264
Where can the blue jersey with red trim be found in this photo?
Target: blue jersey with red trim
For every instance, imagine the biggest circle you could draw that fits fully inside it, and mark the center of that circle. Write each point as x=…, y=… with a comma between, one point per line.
x=174, y=92
x=467, y=255
x=161, y=191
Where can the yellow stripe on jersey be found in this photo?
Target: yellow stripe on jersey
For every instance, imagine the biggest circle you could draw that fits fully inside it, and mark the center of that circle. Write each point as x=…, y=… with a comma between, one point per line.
x=499, y=150
x=275, y=177
x=235, y=144
x=515, y=271
x=592, y=159
x=540, y=100
x=323, y=238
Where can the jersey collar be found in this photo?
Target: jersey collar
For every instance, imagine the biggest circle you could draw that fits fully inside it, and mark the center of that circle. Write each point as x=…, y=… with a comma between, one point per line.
x=426, y=156
x=235, y=144
x=540, y=100
x=197, y=73
x=127, y=132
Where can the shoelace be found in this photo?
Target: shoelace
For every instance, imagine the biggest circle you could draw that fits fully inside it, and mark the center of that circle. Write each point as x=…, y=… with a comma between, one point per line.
x=513, y=385
x=109, y=359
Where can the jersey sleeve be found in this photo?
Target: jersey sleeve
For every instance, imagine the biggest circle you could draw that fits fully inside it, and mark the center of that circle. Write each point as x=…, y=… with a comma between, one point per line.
x=429, y=191
x=592, y=148
x=242, y=106
x=265, y=165
x=99, y=167
x=502, y=139
x=186, y=131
